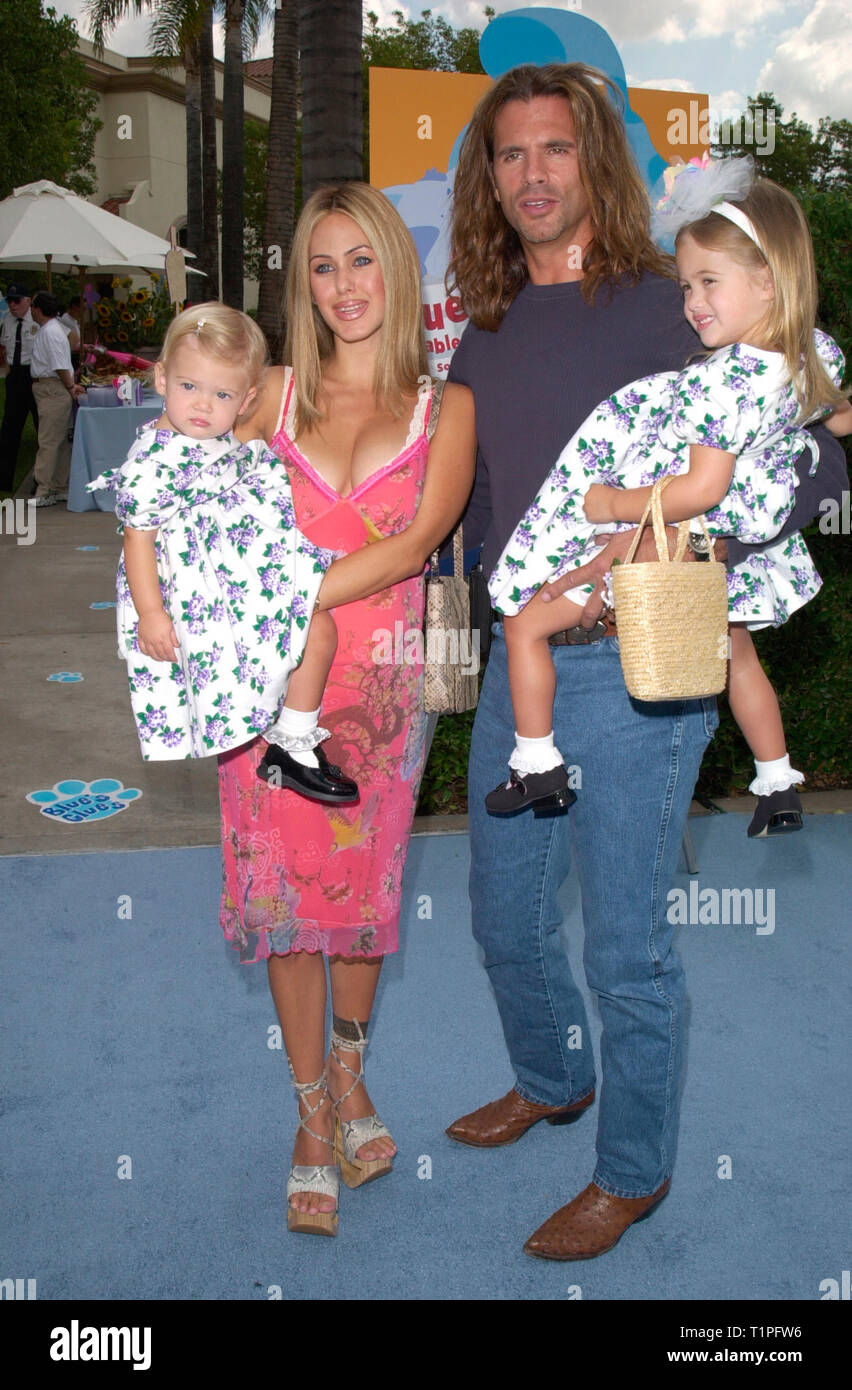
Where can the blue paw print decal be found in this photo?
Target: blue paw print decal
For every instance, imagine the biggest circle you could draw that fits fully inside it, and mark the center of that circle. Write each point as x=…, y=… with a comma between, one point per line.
x=66, y=677
x=88, y=547
x=74, y=801
x=103, y=604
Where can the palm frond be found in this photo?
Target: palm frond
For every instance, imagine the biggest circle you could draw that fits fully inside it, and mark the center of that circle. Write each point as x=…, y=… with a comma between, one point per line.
x=103, y=15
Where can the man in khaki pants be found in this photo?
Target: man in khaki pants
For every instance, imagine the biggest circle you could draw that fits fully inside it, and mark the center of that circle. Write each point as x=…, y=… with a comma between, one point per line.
x=54, y=391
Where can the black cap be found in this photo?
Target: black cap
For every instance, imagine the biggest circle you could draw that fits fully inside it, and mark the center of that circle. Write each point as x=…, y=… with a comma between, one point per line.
x=17, y=292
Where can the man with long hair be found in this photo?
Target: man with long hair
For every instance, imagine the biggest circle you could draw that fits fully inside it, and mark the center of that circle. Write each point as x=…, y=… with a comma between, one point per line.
x=569, y=300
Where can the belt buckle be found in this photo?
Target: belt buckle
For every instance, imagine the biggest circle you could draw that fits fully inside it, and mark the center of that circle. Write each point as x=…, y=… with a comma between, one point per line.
x=578, y=636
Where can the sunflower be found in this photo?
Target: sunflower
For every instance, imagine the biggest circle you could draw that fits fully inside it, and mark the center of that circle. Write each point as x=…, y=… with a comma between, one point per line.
x=108, y=337
x=148, y=323
x=155, y=277
x=139, y=297
x=126, y=317
x=122, y=336
x=115, y=282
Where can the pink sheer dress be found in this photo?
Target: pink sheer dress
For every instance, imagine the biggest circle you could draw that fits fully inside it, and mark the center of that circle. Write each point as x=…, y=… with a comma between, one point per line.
x=299, y=875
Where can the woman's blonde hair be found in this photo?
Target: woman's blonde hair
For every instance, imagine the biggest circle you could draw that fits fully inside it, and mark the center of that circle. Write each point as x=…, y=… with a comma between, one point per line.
x=788, y=326
x=222, y=332
x=310, y=341
x=487, y=266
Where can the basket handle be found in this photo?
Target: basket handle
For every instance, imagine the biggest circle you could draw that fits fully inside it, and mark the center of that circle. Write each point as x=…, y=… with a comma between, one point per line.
x=654, y=508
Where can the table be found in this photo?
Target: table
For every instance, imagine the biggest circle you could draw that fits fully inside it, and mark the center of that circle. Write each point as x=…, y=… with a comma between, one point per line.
x=102, y=437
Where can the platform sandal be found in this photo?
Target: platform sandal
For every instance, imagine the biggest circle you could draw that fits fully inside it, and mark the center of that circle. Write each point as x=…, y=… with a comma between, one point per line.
x=310, y=1177
x=352, y=1135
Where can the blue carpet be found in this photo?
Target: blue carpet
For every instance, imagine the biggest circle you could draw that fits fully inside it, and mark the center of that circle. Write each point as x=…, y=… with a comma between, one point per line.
x=144, y=1039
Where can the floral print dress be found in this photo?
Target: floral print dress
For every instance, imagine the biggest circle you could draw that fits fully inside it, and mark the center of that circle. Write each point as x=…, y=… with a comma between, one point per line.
x=741, y=400
x=299, y=875
x=237, y=578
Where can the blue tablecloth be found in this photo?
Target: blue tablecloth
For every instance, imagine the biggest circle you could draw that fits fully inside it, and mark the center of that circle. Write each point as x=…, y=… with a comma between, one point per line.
x=102, y=438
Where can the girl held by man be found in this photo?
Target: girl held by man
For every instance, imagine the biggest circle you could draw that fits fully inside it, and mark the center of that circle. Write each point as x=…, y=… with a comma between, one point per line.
x=729, y=426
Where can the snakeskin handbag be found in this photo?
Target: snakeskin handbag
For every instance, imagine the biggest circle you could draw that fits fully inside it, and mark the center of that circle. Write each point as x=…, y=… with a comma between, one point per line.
x=450, y=678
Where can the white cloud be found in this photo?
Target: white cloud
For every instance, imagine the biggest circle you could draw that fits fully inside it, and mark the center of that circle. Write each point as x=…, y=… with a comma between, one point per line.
x=716, y=18
x=811, y=69
x=663, y=84
x=652, y=20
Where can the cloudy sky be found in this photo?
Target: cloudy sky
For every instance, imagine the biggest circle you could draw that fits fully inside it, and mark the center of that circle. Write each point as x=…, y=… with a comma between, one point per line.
x=797, y=49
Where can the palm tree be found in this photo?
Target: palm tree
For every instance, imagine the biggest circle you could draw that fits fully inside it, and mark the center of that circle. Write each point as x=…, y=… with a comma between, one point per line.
x=281, y=176
x=209, y=255
x=232, y=156
x=176, y=30
x=330, y=48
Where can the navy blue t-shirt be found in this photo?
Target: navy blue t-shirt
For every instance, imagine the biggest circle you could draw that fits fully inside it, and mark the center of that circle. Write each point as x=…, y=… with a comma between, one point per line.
x=552, y=360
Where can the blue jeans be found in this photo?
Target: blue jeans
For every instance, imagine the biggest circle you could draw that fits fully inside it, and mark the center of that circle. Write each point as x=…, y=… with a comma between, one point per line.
x=638, y=766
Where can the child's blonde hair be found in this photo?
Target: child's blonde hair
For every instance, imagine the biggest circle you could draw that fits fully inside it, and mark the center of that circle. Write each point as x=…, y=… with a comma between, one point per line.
x=222, y=332
x=788, y=326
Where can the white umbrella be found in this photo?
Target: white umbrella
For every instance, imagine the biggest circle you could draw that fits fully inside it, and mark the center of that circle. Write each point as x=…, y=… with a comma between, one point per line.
x=43, y=222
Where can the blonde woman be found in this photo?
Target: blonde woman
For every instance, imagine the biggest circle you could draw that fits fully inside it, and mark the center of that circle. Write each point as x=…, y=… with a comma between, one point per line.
x=305, y=884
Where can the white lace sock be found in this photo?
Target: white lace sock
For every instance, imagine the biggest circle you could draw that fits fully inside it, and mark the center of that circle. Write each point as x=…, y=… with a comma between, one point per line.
x=535, y=754
x=774, y=776
x=297, y=732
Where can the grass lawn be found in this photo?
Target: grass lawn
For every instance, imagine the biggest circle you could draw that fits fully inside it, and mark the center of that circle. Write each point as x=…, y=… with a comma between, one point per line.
x=29, y=442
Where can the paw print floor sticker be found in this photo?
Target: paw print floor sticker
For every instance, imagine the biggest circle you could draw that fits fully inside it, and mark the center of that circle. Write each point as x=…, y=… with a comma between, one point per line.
x=104, y=603
x=66, y=677
x=74, y=801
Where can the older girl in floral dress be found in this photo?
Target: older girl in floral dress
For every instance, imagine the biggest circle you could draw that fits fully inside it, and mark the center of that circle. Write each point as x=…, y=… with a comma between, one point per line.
x=730, y=427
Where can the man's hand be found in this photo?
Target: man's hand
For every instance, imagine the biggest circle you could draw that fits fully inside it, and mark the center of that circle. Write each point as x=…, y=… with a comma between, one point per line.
x=615, y=548
x=157, y=637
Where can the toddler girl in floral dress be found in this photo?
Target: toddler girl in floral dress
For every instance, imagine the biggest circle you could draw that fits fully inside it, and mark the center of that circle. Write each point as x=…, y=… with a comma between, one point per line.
x=730, y=427
x=216, y=585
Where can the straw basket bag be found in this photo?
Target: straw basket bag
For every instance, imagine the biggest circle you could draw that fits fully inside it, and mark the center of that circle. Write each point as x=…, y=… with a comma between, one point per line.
x=672, y=617
x=447, y=687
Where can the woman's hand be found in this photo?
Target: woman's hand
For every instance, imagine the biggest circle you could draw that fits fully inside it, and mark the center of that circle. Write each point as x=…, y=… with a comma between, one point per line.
x=157, y=637
x=597, y=503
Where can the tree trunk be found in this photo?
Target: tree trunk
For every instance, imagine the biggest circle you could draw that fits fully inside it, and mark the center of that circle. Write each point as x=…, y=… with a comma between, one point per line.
x=280, y=177
x=209, y=258
x=232, y=157
x=330, y=50
x=192, y=66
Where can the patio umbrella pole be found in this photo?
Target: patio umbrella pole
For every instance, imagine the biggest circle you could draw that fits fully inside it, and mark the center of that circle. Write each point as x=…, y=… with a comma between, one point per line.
x=47, y=261
x=85, y=311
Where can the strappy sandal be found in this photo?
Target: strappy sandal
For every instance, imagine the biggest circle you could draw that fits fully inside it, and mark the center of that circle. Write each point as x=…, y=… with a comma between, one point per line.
x=352, y=1135
x=321, y=1179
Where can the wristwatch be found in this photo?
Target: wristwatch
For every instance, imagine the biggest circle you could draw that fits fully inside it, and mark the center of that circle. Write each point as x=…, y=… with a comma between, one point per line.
x=699, y=545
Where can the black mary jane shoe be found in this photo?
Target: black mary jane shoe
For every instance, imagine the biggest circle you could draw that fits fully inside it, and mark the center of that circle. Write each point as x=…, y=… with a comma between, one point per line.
x=324, y=783
x=776, y=814
x=546, y=790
